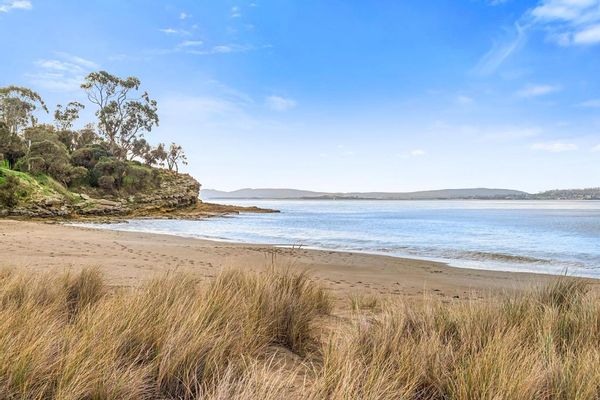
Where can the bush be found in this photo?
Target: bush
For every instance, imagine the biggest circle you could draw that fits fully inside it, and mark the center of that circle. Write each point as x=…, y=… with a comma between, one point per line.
x=48, y=157
x=129, y=176
x=79, y=176
x=8, y=192
x=106, y=182
x=88, y=156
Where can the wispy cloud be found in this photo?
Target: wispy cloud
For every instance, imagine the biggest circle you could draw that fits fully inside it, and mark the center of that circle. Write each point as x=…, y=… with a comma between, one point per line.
x=537, y=90
x=236, y=12
x=7, y=6
x=279, y=103
x=566, y=22
x=464, y=100
x=590, y=35
x=175, y=32
x=501, y=50
x=596, y=149
x=190, y=43
x=592, y=103
x=569, y=22
x=63, y=73
x=184, y=15
x=554, y=147
x=417, y=153
x=223, y=49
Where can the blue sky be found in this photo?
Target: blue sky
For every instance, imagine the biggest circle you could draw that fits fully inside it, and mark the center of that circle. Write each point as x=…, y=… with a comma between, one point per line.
x=339, y=95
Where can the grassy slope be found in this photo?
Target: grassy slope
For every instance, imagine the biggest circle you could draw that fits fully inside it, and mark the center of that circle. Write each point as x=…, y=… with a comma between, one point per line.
x=37, y=188
x=68, y=337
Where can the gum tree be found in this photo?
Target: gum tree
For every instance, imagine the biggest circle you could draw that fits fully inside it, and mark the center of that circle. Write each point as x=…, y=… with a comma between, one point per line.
x=17, y=107
x=123, y=115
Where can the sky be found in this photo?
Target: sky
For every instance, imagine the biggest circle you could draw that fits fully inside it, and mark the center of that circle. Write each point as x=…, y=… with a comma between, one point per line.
x=338, y=95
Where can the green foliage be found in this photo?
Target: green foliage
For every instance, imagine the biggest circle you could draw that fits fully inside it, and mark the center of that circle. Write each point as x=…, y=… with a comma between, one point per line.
x=175, y=156
x=104, y=156
x=8, y=192
x=12, y=146
x=48, y=157
x=64, y=118
x=87, y=157
x=106, y=182
x=112, y=174
x=17, y=107
x=122, y=119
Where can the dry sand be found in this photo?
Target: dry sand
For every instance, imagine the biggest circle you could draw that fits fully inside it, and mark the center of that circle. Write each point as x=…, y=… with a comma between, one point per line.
x=128, y=258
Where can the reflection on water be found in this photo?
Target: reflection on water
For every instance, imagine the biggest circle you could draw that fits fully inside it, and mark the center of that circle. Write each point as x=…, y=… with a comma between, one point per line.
x=540, y=236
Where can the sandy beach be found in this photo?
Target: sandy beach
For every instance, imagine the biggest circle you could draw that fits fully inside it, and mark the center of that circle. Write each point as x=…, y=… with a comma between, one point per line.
x=128, y=258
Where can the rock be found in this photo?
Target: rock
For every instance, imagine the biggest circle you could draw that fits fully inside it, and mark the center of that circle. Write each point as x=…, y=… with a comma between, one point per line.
x=175, y=192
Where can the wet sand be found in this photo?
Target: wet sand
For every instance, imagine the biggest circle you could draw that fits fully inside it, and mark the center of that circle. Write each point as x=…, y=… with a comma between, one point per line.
x=128, y=258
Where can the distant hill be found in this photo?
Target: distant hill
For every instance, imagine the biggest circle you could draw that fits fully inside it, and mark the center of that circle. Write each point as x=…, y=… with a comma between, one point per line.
x=571, y=194
x=292, y=194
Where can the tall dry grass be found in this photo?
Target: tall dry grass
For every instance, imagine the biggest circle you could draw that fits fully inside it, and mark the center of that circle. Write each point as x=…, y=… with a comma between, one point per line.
x=66, y=337
x=544, y=344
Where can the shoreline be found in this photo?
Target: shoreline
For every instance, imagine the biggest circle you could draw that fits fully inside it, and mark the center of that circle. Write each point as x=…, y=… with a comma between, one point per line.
x=129, y=258
x=496, y=262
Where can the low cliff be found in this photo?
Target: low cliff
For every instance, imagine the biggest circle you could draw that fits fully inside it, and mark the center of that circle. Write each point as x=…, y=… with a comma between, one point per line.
x=43, y=197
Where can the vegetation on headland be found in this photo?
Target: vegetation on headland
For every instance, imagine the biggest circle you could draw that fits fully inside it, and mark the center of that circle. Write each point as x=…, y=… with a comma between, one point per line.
x=105, y=168
x=275, y=335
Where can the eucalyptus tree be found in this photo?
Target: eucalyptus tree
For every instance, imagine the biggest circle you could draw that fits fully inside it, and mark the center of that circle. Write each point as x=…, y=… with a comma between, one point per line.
x=64, y=117
x=18, y=106
x=175, y=155
x=123, y=115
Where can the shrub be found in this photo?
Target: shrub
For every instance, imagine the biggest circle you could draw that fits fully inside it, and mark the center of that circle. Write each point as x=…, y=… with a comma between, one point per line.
x=88, y=156
x=9, y=192
x=106, y=182
x=48, y=157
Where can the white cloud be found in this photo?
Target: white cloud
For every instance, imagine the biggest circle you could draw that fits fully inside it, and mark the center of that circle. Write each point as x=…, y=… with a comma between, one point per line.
x=566, y=22
x=66, y=72
x=501, y=51
x=417, y=153
x=183, y=15
x=8, y=6
x=464, y=100
x=236, y=12
x=225, y=49
x=279, y=103
x=569, y=22
x=537, y=90
x=596, y=149
x=590, y=35
x=593, y=103
x=554, y=147
x=175, y=32
x=190, y=43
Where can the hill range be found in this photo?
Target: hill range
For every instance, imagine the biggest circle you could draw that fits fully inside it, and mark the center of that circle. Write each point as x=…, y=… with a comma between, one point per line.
x=443, y=194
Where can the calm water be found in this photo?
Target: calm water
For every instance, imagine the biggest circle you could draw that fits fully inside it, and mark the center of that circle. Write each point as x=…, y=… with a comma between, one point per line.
x=540, y=236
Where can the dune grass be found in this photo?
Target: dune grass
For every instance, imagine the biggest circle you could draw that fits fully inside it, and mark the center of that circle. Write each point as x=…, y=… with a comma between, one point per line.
x=544, y=344
x=67, y=336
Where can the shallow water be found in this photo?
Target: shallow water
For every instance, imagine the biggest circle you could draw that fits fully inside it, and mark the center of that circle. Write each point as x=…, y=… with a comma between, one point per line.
x=539, y=236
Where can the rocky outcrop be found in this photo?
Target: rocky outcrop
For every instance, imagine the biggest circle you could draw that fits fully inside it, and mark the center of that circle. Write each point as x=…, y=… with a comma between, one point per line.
x=174, y=192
